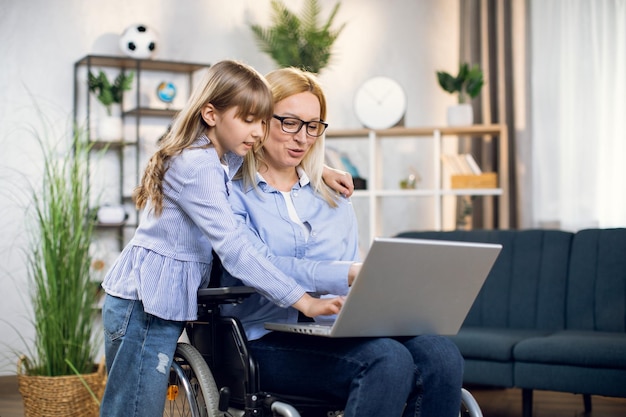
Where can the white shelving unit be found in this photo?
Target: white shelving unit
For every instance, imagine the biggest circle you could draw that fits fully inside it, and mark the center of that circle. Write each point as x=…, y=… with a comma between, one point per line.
x=435, y=191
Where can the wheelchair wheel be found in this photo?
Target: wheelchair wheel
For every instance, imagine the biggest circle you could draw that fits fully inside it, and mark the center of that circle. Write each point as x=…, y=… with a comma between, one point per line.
x=469, y=406
x=191, y=390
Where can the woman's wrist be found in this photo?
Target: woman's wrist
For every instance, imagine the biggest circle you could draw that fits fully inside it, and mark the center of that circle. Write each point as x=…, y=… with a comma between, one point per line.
x=354, y=270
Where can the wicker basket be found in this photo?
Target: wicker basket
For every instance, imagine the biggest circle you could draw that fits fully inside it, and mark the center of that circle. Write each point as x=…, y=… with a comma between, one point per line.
x=62, y=396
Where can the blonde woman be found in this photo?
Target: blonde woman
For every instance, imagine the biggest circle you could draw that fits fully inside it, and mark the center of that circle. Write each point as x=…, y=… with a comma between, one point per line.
x=281, y=196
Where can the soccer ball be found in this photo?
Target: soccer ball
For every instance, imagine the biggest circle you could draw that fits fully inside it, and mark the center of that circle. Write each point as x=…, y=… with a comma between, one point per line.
x=138, y=41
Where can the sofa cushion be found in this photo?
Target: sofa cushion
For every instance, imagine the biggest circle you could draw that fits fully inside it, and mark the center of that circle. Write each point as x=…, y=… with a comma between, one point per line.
x=570, y=378
x=596, y=294
x=486, y=372
x=580, y=348
x=495, y=344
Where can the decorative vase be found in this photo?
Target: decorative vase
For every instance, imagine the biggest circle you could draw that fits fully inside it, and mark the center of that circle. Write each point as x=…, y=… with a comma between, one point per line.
x=110, y=126
x=460, y=115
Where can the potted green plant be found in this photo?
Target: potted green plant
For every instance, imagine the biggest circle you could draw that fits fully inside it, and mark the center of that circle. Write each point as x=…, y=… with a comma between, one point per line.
x=467, y=83
x=465, y=210
x=109, y=94
x=57, y=377
x=299, y=41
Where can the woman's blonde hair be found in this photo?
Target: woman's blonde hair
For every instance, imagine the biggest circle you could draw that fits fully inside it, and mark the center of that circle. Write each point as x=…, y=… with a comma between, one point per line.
x=286, y=82
x=226, y=84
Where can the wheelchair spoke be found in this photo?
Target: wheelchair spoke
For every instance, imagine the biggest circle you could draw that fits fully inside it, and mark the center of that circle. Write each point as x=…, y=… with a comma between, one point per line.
x=191, y=389
x=184, y=398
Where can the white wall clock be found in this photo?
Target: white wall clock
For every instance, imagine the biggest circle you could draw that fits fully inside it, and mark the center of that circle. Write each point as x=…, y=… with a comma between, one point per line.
x=380, y=103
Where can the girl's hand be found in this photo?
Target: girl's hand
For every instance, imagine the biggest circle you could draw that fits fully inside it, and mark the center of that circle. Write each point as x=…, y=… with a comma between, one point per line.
x=313, y=307
x=340, y=181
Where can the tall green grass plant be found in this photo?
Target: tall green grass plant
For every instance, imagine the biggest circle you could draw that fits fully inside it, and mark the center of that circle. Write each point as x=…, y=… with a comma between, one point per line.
x=59, y=260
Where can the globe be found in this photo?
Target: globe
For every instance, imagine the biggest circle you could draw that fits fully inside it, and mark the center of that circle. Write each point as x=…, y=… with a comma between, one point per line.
x=166, y=91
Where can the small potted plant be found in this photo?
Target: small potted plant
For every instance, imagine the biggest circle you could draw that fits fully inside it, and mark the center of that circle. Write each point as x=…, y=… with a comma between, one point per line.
x=467, y=83
x=298, y=41
x=109, y=94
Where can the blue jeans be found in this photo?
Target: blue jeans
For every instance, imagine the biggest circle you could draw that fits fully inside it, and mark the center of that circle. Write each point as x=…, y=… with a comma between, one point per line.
x=139, y=349
x=410, y=376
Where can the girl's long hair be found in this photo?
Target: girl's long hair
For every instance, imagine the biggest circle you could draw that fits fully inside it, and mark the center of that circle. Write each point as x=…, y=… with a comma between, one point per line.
x=225, y=85
x=286, y=82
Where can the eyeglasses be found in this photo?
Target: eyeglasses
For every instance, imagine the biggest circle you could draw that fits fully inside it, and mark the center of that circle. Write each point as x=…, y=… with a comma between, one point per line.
x=314, y=128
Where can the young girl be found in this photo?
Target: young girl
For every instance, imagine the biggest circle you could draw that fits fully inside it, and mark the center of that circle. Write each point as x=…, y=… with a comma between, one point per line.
x=151, y=289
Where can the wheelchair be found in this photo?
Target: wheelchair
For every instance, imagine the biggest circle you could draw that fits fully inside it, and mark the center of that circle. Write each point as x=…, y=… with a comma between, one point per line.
x=215, y=375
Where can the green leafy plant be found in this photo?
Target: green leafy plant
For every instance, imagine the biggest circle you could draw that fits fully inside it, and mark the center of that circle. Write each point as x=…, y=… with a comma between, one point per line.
x=299, y=41
x=107, y=92
x=468, y=82
x=465, y=209
x=58, y=258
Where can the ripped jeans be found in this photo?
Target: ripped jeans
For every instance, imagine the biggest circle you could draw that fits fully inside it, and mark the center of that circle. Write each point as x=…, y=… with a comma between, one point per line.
x=139, y=348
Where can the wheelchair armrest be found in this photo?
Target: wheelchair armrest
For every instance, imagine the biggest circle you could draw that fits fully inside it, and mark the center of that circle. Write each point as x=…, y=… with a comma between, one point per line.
x=224, y=295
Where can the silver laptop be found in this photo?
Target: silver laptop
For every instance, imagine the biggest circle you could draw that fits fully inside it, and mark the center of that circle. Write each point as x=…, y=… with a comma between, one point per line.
x=408, y=287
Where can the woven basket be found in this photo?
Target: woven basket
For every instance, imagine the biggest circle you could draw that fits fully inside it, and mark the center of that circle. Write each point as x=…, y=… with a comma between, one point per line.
x=61, y=396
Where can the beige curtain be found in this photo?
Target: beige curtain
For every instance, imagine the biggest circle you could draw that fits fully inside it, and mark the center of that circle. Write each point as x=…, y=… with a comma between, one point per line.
x=493, y=35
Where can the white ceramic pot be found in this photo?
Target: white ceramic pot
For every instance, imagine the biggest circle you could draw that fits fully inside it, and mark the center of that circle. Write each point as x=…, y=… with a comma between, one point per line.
x=109, y=215
x=109, y=125
x=110, y=128
x=460, y=115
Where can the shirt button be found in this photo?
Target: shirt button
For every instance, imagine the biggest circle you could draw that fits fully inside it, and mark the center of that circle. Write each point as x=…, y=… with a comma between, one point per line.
x=295, y=193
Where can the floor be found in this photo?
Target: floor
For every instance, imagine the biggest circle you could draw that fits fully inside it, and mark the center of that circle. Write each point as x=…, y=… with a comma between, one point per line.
x=508, y=403
x=493, y=402
x=10, y=399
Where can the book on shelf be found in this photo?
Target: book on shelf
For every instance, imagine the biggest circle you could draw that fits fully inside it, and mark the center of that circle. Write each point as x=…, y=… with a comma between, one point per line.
x=461, y=164
x=463, y=171
x=472, y=164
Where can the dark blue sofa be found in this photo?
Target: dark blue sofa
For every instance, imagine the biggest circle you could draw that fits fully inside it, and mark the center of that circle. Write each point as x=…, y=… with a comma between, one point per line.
x=551, y=314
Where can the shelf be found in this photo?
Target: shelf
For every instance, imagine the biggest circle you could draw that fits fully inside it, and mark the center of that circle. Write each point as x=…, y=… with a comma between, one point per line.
x=473, y=191
x=107, y=144
x=416, y=132
x=427, y=192
x=437, y=194
x=405, y=193
x=110, y=225
x=151, y=112
x=143, y=64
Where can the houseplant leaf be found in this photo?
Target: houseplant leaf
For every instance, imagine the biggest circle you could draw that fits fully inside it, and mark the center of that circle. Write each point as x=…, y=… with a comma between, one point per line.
x=109, y=93
x=299, y=41
x=474, y=81
x=468, y=81
x=447, y=82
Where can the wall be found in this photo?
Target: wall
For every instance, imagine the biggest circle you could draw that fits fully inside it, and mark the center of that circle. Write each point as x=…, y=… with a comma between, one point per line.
x=40, y=41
